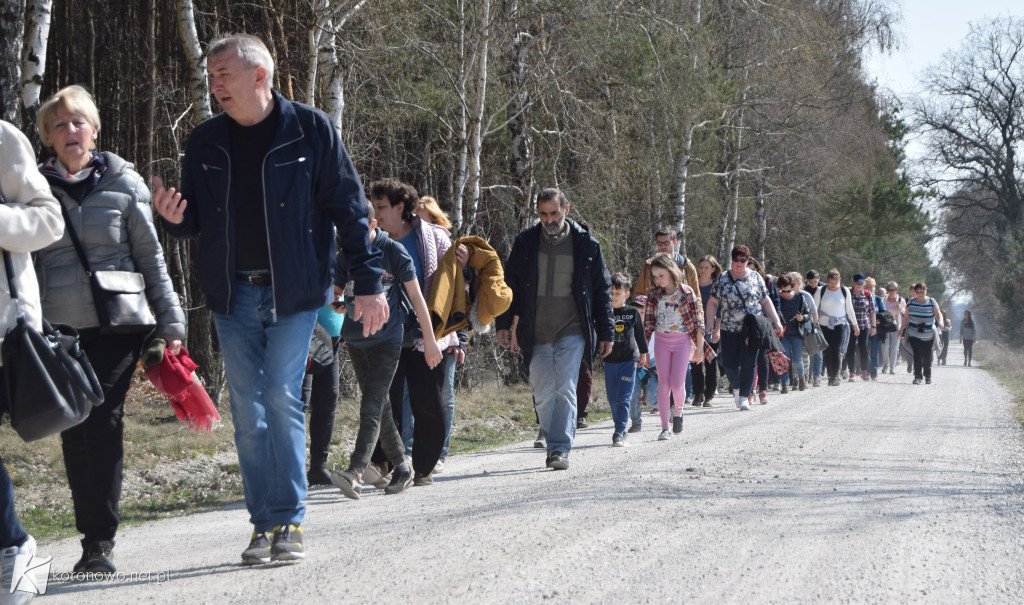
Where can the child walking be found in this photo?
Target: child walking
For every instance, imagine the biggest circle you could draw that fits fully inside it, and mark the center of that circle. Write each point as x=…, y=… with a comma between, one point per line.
x=673, y=310
x=629, y=346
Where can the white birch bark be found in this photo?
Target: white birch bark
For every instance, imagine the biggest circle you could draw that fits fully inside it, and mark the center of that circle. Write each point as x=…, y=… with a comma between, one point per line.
x=198, y=84
x=463, y=176
x=478, y=117
x=33, y=61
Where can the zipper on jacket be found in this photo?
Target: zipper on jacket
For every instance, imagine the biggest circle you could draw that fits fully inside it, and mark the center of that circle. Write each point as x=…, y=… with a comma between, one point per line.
x=266, y=219
x=227, y=230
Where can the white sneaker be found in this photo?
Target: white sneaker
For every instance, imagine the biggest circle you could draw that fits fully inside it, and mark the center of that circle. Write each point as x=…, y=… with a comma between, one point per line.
x=439, y=467
x=744, y=405
x=665, y=435
x=17, y=558
x=739, y=400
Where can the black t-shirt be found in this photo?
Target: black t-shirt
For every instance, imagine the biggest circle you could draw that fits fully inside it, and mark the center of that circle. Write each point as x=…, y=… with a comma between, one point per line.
x=249, y=147
x=628, y=339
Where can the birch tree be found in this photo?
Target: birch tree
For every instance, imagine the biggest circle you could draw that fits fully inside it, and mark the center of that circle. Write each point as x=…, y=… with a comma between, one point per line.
x=33, y=64
x=12, y=27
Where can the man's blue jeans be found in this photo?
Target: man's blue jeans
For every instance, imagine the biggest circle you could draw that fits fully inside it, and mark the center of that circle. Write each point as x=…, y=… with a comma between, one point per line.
x=554, y=370
x=619, y=383
x=264, y=361
x=737, y=362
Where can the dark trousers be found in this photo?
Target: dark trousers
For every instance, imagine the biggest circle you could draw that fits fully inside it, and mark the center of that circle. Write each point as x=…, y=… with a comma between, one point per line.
x=94, y=450
x=427, y=408
x=857, y=353
x=922, y=357
x=737, y=361
x=968, y=350
x=944, y=339
x=11, y=531
x=763, y=375
x=834, y=354
x=705, y=378
x=375, y=368
x=320, y=394
x=584, y=389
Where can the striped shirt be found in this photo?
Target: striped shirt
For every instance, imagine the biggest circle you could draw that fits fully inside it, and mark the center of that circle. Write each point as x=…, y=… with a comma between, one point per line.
x=921, y=318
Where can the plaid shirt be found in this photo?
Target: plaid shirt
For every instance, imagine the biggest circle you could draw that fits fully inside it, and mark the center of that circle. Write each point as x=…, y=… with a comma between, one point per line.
x=862, y=308
x=689, y=309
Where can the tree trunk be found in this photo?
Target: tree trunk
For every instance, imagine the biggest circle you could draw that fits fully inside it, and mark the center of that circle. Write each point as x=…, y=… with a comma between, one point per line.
x=33, y=63
x=196, y=60
x=147, y=123
x=475, y=167
x=762, y=219
x=681, y=172
x=12, y=30
x=200, y=319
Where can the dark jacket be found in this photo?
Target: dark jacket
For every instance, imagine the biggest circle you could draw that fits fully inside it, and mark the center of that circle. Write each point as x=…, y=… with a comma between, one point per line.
x=591, y=289
x=310, y=186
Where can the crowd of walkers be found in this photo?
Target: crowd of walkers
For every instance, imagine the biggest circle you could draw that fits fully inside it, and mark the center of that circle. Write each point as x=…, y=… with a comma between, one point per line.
x=296, y=260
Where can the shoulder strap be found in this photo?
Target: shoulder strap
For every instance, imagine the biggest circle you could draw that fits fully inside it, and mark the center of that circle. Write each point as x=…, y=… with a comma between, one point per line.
x=74, y=240
x=9, y=267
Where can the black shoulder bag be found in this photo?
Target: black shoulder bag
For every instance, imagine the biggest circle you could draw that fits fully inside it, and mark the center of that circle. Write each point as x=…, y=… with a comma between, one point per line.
x=50, y=384
x=119, y=296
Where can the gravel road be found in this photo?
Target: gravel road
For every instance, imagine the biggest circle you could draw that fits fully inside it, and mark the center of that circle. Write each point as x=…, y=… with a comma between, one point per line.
x=878, y=492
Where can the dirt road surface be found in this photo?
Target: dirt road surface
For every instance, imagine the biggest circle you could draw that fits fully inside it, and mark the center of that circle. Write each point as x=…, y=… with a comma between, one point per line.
x=871, y=492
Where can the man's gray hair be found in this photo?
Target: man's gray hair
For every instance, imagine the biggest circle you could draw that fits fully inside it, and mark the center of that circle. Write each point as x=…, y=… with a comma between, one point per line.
x=553, y=193
x=251, y=50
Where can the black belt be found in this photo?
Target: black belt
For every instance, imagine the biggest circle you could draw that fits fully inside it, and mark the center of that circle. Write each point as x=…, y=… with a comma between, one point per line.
x=256, y=278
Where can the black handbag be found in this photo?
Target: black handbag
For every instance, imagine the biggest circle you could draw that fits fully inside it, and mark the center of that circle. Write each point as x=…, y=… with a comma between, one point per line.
x=119, y=296
x=50, y=385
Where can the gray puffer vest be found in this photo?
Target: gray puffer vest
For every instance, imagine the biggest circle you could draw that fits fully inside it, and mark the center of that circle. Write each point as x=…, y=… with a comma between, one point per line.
x=115, y=225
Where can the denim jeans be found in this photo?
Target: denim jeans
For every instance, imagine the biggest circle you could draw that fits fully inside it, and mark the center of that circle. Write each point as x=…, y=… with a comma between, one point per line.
x=408, y=423
x=794, y=346
x=874, y=346
x=619, y=380
x=554, y=370
x=12, y=533
x=448, y=399
x=264, y=361
x=816, y=362
x=374, y=368
x=689, y=381
x=648, y=386
x=737, y=362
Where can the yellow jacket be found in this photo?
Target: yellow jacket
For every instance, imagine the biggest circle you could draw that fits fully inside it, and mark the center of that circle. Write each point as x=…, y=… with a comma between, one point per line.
x=450, y=305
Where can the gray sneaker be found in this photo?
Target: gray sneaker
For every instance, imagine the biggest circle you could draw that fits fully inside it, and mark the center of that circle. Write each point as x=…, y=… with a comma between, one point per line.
x=287, y=544
x=664, y=435
x=619, y=440
x=258, y=551
x=677, y=424
x=539, y=442
x=400, y=479
x=347, y=482
x=375, y=477
x=634, y=428
x=558, y=461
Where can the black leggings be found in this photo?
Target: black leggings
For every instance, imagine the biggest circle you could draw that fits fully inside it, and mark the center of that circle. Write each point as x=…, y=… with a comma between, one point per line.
x=968, y=350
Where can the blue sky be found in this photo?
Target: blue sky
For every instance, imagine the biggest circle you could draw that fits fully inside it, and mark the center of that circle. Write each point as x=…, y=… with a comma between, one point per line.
x=927, y=30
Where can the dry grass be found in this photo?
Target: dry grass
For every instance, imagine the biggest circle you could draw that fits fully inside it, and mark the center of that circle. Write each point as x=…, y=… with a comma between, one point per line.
x=1007, y=365
x=170, y=470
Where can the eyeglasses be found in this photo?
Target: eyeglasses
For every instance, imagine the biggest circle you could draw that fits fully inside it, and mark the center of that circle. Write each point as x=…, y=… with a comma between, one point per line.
x=785, y=291
x=890, y=289
x=660, y=243
x=740, y=260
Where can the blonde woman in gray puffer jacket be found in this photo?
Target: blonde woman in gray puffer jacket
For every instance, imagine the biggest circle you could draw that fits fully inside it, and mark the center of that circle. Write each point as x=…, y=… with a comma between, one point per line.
x=29, y=220
x=108, y=205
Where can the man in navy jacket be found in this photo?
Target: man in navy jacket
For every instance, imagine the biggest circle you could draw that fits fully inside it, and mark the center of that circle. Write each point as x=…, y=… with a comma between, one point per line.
x=561, y=295
x=263, y=187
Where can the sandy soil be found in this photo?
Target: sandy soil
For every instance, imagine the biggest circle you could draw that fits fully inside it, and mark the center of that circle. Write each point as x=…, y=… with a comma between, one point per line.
x=871, y=492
